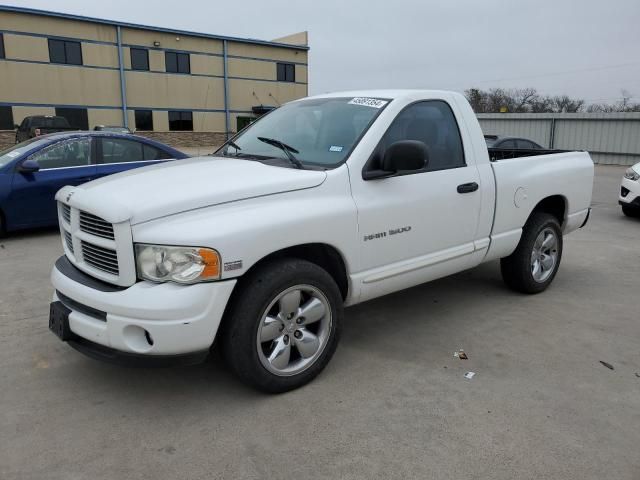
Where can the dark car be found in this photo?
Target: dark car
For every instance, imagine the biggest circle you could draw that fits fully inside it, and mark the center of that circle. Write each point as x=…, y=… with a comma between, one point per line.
x=38, y=125
x=32, y=172
x=111, y=128
x=498, y=141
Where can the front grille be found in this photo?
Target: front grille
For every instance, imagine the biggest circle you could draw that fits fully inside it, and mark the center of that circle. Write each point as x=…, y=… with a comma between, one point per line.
x=68, y=240
x=95, y=225
x=100, y=258
x=66, y=213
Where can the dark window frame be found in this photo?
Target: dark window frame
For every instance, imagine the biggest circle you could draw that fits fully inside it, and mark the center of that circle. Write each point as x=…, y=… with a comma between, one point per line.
x=370, y=166
x=139, y=51
x=286, y=72
x=6, y=117
x=83, y=112
x=145, y=112
x=173, y=64
x=180, y=120
x=100, y=149
x=3, y=54
x=67, y=46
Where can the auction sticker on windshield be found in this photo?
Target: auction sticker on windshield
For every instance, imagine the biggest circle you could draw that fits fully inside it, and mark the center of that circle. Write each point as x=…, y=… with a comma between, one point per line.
x=368, y=102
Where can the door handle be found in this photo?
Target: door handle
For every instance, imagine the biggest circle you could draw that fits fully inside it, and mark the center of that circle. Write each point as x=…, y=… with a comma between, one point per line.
x=468, y=187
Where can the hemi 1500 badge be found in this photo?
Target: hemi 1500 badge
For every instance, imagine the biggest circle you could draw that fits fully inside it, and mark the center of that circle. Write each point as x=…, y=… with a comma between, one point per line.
x=391, y=231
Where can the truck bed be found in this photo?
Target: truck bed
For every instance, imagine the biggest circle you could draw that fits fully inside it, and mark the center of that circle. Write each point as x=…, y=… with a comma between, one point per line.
x=525, y=179
x=496, y=154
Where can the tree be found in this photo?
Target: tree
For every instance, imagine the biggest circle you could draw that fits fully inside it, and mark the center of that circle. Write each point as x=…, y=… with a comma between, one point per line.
x=520, y=100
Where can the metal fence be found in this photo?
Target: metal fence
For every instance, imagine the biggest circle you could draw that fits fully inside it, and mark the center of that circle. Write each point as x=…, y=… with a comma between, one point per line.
x=610, y=138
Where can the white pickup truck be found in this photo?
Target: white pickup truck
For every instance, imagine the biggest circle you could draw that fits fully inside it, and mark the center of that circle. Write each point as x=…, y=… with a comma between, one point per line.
x=326, y=202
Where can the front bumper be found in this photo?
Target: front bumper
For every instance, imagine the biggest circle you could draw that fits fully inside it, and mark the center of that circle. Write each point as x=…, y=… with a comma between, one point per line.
x=145, y=319
x=629, y=192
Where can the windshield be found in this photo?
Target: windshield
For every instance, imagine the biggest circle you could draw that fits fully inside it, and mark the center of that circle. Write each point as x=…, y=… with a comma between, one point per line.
x=320, y=132
x=15, y=151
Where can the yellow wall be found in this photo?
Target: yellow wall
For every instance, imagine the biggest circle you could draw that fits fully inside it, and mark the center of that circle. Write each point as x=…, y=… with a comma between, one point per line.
x=62, y=27
x=99, y=55
x=58, y=85
x=104, y=117
x=145, y=89
x=241, y=93
x=263, y=51
x=26, y=48
x=169, y=41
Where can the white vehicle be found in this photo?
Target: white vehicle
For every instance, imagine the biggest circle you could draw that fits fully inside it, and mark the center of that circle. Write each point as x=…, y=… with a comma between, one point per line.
x=325, y=202
x=629, y=197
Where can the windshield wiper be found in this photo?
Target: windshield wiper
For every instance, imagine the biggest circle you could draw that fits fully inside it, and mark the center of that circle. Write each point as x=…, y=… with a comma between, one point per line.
x=288, y=150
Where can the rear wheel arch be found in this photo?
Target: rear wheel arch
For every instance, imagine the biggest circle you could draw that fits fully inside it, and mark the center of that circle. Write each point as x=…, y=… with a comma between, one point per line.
x=554, y=205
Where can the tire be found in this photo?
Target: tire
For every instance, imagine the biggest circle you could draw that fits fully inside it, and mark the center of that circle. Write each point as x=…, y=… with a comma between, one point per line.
x=533, y=265
x=631, y=211
x=266, y=320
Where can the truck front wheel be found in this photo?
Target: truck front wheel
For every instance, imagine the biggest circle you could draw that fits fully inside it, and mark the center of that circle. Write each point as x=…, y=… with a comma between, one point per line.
x=283, y=325
x=534, y=263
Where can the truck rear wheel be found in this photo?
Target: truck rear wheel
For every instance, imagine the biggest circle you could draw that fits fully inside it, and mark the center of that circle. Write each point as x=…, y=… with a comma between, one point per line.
x=534, y=263
x=283, y=325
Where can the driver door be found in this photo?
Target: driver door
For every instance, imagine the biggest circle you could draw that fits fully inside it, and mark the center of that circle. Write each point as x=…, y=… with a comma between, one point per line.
x=32, y=198
x=420, y=224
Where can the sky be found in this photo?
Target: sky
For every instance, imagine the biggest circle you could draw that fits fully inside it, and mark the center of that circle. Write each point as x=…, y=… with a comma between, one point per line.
x=588, y=49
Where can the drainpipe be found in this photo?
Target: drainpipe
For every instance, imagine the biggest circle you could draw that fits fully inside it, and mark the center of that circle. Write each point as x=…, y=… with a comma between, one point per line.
x=123, y=85
x=227, y=120
x=552, y=133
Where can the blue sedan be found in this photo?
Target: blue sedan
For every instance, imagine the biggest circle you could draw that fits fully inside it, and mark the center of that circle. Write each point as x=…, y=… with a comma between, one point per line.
x=33, y=171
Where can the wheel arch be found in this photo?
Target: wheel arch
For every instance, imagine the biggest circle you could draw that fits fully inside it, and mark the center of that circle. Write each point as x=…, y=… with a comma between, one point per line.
x=324, y=255
x=555, y=205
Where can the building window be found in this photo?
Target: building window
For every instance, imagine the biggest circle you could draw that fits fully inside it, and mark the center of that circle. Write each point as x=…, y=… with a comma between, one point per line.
x=139, y=59
x=6, y=118
x=286, y=72
x=77, y=117
x=243, y=122
x=1, y=46
x=144, y=120
x=177, y=62
x=65, y=51
x=181, y=121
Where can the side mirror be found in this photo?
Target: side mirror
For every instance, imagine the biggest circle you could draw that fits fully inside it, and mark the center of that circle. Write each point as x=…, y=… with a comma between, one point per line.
x=29, y=166
x=405, y=155
x=401, y=156
x=16, y=126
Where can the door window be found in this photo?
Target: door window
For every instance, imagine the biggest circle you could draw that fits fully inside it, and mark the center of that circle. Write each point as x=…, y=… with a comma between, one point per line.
x=120, y=150
x=69, y=153
x=433, y=123
x=508, y=144
x=153, y=153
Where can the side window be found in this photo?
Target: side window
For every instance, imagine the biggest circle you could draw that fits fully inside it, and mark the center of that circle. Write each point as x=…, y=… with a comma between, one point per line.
x=139, y=58
x=70, y=153
x=2, y=55
x=153, y=153
x=6, y=118
x=508, y=144
x=77, y=117
x=120, y=150
x=433, y=123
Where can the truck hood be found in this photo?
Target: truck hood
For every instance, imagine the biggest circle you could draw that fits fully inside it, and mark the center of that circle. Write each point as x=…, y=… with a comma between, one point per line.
x=164, y=189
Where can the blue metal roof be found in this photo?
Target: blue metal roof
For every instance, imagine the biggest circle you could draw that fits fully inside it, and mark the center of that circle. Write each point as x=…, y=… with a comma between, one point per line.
x=46, y=13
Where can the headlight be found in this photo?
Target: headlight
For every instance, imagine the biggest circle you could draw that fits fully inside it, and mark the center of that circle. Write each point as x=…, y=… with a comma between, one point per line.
x=631, y=174
x=159, y=263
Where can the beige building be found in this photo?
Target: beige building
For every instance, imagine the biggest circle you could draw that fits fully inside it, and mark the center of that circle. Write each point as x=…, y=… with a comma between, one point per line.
x=156, y=80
